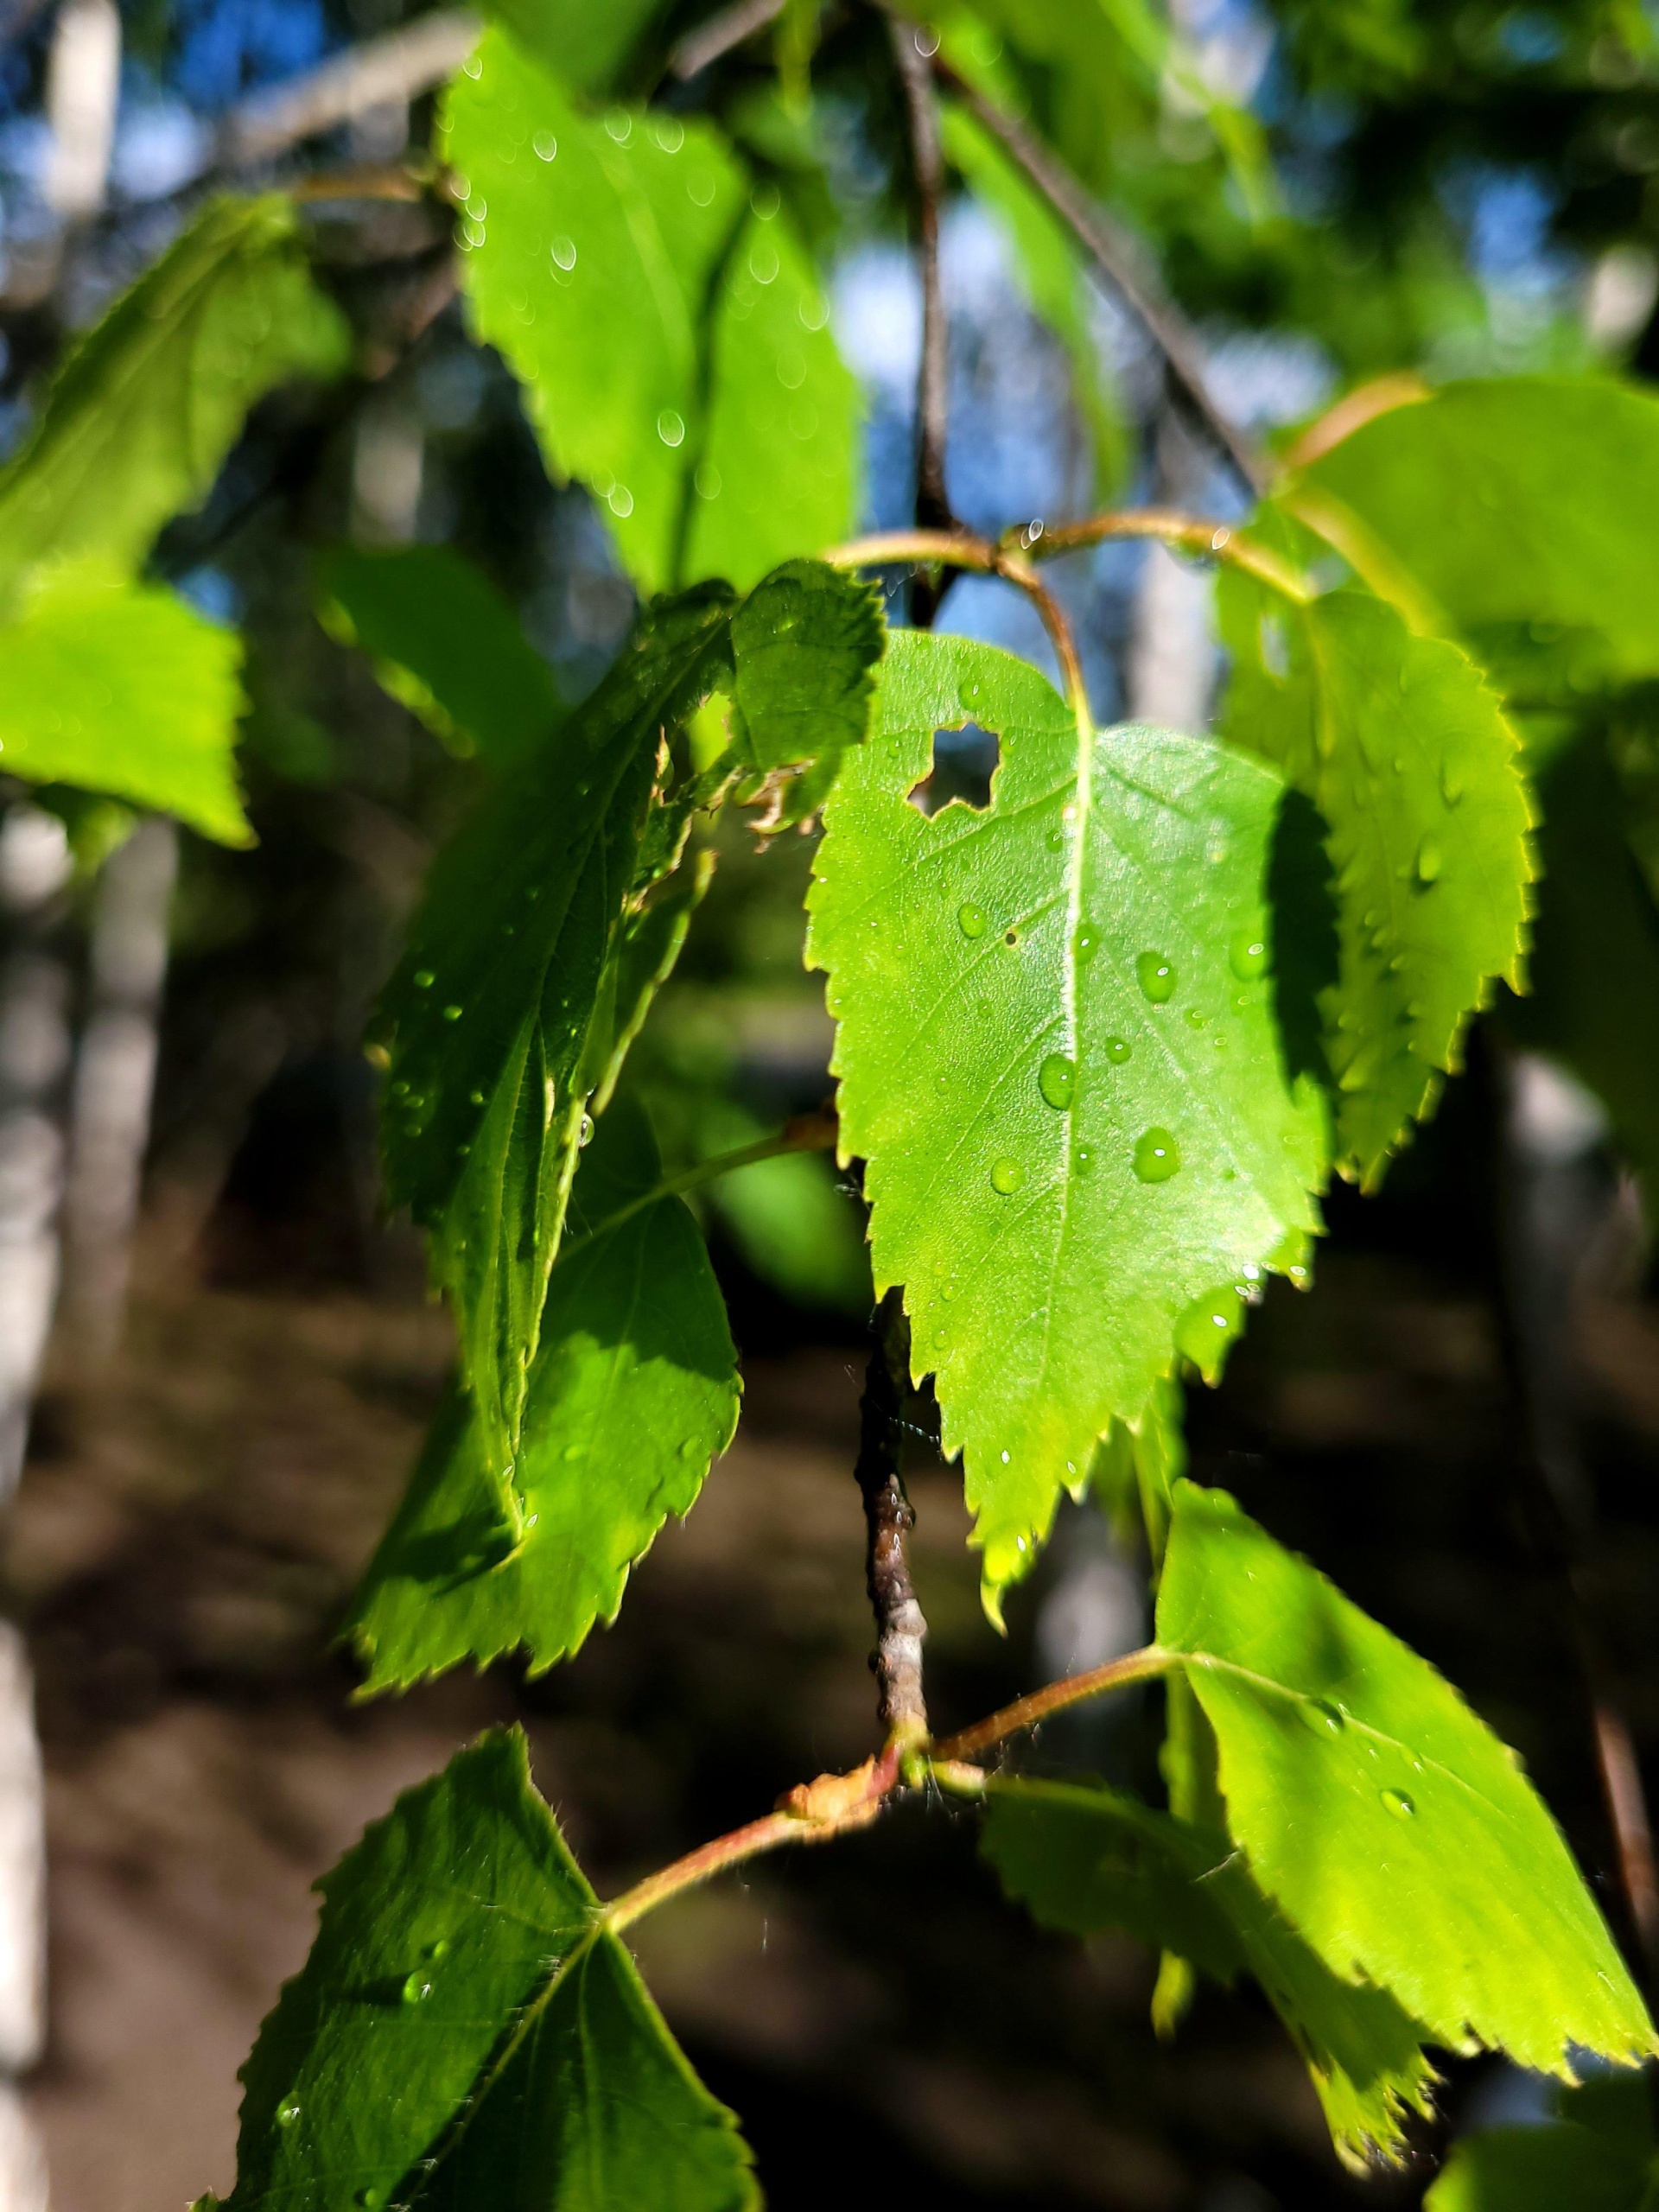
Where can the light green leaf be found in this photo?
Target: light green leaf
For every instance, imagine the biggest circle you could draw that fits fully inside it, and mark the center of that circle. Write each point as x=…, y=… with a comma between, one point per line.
x=445, y=642
x=1085, y=1858
x=1439, y=1875
x=585, y=46
x=466, y=2032
x=1594, y=969
x=1058, y=1054
x=121, y=688
x=633, y=1392
x=1052, y=273
x=145, y=407
x=1596, y=2157
x=1522, y=506
x=1137, y=1468
x=670, y=337
x=1409, y=758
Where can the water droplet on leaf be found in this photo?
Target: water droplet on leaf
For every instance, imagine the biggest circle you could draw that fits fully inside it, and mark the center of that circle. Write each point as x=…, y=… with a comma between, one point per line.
x=564, y=253
x=1006, y=1177
x=971, y=920
x=1117, y=1050
x=1399, y=1804
x=1430, y=860
x=1156, y=977
x=1056, y=1079
x=584, y=1134
x=1157, y=1156
x=424, y=979
x=416, y=1988
x=1246, y=955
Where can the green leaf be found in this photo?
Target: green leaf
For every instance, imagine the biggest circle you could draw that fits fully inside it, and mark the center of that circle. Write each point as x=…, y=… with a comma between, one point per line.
x=503, y=1018
x=1596, y=2157
x=634, y=1394
x=121, y=688
x=585, y=46
x=1137, y=1468
x=1058, y=1054
x=805, y=646
x=1517, y=503
x=145, y=407
x=1407, y=755
x=465, y=2031
x=445, y=642
x=1085, y=1858
x=671, y=337
x=1594, y=969
x=1053, y=275
x=1438, y=1874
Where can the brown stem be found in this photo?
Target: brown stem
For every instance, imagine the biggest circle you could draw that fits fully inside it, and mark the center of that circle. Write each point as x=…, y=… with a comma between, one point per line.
x=927, y=160
x=899, y=1627
x=701, y=47
x=1026, y=1712
x=1115, y=260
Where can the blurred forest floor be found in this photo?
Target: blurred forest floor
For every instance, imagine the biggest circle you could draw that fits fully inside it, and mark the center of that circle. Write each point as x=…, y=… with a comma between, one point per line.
x=191, y=1523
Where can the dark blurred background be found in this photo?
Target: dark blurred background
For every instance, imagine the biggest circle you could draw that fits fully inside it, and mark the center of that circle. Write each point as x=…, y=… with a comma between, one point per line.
x=240, y=1378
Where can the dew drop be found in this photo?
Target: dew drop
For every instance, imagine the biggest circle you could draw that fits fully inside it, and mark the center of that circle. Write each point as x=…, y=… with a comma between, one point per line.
x=1451, y=783
x=437, y=1950
x=1006, y=1177
x=476, y=1097
x=1399, y=1804
x=451, y=1014
x=1117, y=1050
x=1083, y=1158
x=1246, y=955
x=1086, y=943
x=416, y=1988
x=368, y=2198
x=1056, y=1079
x=1430, y=860
x=619, y=125
x=971, y=920
x=1325, y=1719
x=573, y=1451
x=546, y=144
x=942, y=1081
x=670, y=428
x=1157, y=1156
x=1195, y=1019
x=584, y=1134
x=970, y=691
x=564, y=253
x=424, y=979
x=1156, y=977
x=1005, y=1462
x=287, y=2115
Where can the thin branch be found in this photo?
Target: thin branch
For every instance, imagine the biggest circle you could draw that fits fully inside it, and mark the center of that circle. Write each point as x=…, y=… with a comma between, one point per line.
x=700, y=48
x=927, y=161
x=1025, y=1712
x=397, y=66
x=806, y=1133
x=900, y=1626
x=1195, y=534
x=1117, y=259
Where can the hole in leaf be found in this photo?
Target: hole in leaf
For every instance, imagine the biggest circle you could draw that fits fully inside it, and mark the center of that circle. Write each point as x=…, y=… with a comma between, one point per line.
x=964, y=761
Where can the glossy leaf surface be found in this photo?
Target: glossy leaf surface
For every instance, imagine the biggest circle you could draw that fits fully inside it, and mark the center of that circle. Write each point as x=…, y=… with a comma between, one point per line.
x=1439, y=1875
x=465, y=2032
x=444, y=642
x=634, y=1391
x=147, y=405
x=1058, y=1054
x=670, y=336
x=1085, y=1858
x=121, y=688
x=1407, y=757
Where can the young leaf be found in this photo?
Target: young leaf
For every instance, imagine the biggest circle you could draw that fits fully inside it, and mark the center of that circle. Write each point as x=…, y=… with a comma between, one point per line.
x=805, y=646
x=145, y=407
x=445, y=642
x=1052, y=274
x=466, y=2032
x=1409, y=761
x=671, y=339
x=1058, y=1055
x=1084, y=1858
x=1513, y=502
x=121, y=688
x=1596, y=2157
x=1438, y=1874
x=634, y=1394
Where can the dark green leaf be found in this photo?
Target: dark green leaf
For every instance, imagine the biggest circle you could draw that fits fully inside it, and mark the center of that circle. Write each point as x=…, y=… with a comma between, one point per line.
x=1410, y=762
x=1438, y=1874
x=146, y=405
x=1058, y=1054
x=121, y=688
x=672, y=339
x=584, y=46
x=805, y=646
x=445, y=643
x=633, y=1392
x=1085, y=1858
x=465, y=2032
x=1596, y=2157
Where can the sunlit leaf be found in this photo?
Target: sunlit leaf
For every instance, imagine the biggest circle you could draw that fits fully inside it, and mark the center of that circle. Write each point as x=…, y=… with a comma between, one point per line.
x=145, y=407
x=466, y=2033
x=668, y=330
x=1407, y=757
x=444, y=642
x=121, y=688
x=632, y=1393
x=1438, y=1874
x=1085, y=1858
x=1058, y=1055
